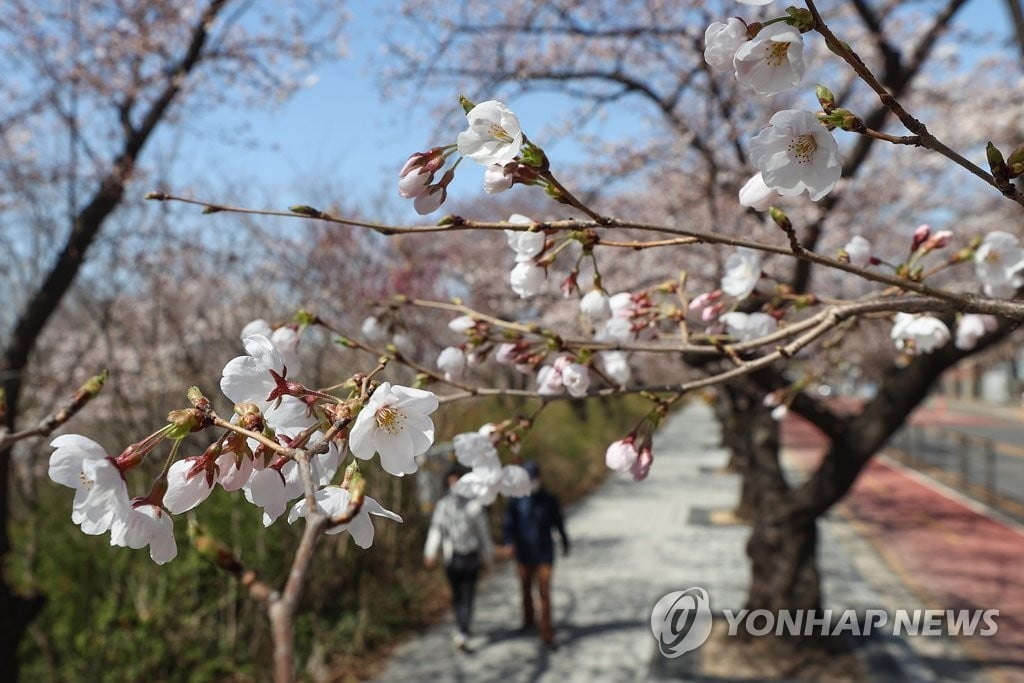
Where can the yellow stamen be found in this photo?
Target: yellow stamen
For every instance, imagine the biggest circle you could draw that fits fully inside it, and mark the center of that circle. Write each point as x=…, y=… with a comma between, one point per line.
x=802, y=148
x=390, y=420
x=777, y=52
x=499, y=133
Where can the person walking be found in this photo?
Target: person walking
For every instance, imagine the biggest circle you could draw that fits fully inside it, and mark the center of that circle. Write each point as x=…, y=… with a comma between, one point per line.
x=527, y=533
x=459, y=529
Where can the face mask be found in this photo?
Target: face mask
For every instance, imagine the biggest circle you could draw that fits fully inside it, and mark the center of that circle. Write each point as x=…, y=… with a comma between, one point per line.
x=535, y=486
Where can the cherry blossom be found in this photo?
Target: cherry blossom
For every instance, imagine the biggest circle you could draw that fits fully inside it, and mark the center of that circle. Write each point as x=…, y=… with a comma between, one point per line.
x=919, y=333
x=145, y=524
x=373, y=329
x=452, y=362
x=189, y=482
x=999, y=264
x=795, y=153
x=615, y=364
x=549, y=381
x=742, y=271
x=461, y=324
x=745, y=327
x=721, y=42
x=973, y=327
x=250, y=378
x=527, y=245
x=494, y=135
x=475, y=449
x=430, y=200
x=415, y=183
x=595, y=305
x=101, y=496
x=622, y=454
x=527, y=279
x=616, y=329
x=756, y=195
x=496, y=180
x=485, y=483
x=576, y=379
x=394, y=423
x=859, y=251
x=334, y=500
x=772, y=61
x=271, y=490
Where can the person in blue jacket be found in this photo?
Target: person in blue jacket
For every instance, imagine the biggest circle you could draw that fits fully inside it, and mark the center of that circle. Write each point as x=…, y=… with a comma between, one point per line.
x=527, y=533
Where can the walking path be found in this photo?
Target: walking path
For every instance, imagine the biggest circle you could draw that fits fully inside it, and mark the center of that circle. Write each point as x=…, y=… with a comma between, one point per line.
x=634, y=542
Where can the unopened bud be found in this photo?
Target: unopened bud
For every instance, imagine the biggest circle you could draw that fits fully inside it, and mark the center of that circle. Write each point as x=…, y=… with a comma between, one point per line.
x=1015, y=162
x=825, y=98
x=249, y=416
x=800, y=18
x=921, y=236
x=304, y=210
x=196, y=398
x=780, y=218
x=996, y=164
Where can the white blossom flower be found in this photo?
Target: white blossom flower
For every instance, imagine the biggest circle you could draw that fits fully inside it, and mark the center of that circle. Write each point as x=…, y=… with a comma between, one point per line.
x=859, y=251
x=249, y=378
x=526, y=245
x=576, y=379
x=394, y=423
x=973, y=327
x=721, y=42
x=485, y=483
x=373, y=329
x=415, y=183
x=615, y=329
x=496, y=180
x=595, y=305
x=333, y=500
x=461, y=324
x=999, y=264
x=795, y=153
x=771, y=62
x=233, y=471
x=615, y=364
x=405, y=343
x=269, y=489
x=622, y=305
x=494, y=135
x=430, y=200
x=919, y=333
x=742, y=271
x=621, y=455
x=757, y=195
x=549, y=381
x=779, y=412
x=506, y=353
x=146, y=524
x=527, y=279
x=475, y=449
x=745, y=327
x=452, y=362
x=285, y=339
x=101, y=496
x=189, y=483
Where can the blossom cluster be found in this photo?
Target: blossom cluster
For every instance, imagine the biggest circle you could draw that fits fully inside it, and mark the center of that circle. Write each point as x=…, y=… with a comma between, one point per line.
x=273, y=416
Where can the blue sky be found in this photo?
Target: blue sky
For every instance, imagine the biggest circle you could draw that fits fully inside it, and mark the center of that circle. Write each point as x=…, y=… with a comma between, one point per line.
x=344, y=130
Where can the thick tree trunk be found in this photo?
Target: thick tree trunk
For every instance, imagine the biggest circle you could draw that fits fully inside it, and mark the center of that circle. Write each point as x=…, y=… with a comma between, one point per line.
x=784, y=564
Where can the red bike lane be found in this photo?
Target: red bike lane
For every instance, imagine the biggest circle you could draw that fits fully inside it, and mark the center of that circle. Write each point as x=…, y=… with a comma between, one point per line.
x=940, y=544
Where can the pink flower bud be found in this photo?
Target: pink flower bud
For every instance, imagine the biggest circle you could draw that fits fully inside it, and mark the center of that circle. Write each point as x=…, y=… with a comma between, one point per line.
x=431, y=200
x=414, y=184
x=922, y=233
x=642, y=466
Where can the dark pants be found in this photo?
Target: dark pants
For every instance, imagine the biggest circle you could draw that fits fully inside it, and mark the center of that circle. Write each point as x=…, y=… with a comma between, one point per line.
x=462, y=571
x=542, y=573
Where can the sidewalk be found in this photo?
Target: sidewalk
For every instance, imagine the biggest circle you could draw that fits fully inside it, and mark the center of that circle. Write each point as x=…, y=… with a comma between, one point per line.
x=634, y=542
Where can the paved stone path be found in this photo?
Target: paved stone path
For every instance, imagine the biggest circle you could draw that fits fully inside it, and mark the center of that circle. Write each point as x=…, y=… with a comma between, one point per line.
x=634, y=542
